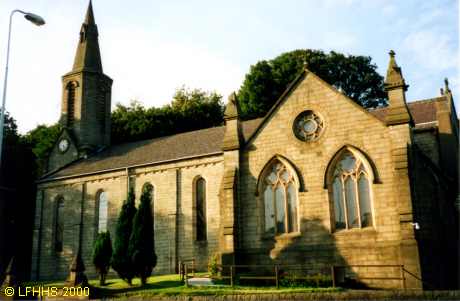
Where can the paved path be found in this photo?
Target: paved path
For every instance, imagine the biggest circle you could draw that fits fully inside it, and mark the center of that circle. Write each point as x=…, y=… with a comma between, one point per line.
x=200, y=281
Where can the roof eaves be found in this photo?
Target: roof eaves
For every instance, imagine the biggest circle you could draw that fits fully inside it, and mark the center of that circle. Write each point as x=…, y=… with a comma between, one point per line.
x=125, y=167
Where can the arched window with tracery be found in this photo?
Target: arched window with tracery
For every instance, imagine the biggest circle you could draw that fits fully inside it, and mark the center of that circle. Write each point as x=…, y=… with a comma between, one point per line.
x=102, y=225
x=70, y=104
x=280, y=200
x=351, y=190
x=59, y=237
x=201, y=224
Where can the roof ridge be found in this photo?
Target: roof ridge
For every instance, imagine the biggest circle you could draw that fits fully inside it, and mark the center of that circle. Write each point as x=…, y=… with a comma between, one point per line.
x=178, y=134
x=426, y=100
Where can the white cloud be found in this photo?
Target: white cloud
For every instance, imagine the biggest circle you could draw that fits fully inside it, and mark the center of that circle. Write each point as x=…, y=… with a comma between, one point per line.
x=430, y=49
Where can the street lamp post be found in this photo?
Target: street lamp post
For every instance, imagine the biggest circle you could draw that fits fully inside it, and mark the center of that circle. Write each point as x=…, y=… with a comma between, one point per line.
x=37, y=20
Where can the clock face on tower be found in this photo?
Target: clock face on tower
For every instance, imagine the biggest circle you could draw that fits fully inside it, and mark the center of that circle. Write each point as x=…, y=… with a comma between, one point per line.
x=63, y=145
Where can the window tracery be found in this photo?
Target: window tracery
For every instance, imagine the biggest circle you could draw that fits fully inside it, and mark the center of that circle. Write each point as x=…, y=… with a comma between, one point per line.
x=308, y=126
x=351, y=192
x=280, y=200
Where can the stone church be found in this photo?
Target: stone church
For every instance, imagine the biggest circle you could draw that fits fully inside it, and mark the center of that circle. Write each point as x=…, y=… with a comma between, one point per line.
x=318, y=181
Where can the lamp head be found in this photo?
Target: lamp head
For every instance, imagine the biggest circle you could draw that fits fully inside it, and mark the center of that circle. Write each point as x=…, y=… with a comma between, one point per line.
x=37, y=20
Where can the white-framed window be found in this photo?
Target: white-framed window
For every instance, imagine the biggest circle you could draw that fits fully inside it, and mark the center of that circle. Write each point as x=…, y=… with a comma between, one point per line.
x=279, y=191
x=102, y=224
x=351, y=190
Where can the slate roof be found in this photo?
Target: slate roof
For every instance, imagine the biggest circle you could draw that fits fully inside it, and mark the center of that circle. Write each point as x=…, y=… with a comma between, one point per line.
x=196, y=144
x=169, y=148
x=423, y=112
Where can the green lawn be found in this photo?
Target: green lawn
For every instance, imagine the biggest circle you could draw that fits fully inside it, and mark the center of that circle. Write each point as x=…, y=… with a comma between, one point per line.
x=171, y=285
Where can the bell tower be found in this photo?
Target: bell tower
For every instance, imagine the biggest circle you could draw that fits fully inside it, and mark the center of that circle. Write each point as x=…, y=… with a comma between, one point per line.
x=86, y=102
x=86, y=93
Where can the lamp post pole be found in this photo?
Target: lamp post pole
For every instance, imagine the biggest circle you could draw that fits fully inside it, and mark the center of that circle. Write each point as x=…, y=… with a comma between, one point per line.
x=37, y=20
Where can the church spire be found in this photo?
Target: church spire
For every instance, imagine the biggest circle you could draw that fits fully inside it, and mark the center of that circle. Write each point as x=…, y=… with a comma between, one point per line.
x=89, y=20
x=88, y=57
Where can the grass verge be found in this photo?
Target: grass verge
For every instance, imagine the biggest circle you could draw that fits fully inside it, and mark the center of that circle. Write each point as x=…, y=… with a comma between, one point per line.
x=171, y=285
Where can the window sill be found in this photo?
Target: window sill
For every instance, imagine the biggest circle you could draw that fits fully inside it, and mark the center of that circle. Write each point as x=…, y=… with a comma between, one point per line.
x=354, y=231
x=280, y=236
x=200, y=243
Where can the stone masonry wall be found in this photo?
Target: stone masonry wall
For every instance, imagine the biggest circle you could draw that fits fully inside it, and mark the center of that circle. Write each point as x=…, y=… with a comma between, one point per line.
x=346, y=124
x=173, y=207
x=427, y=141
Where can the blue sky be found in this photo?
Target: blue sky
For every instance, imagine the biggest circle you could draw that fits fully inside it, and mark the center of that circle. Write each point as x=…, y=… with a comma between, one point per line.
x=151, y=47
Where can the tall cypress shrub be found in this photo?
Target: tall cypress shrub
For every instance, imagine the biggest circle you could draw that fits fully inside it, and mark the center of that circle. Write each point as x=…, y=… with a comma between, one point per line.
x=121, y=261
x=102, y=253
x=141, y=245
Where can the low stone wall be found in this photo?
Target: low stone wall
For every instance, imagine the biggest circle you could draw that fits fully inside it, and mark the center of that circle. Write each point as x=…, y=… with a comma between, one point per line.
x=349, y=295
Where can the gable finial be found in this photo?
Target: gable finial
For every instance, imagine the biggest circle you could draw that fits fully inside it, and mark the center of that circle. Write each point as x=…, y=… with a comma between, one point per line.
x=392, y=53
x=304, y=56
x=447, y=84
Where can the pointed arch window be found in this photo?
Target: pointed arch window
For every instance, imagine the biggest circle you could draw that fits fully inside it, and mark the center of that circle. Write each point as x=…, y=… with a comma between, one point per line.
x=102, y=101
x=280, y=200
x=351, y=191
x=151, y=191
x=201, y=224
x=70, y=104
x=102, y=225
x=59, y=236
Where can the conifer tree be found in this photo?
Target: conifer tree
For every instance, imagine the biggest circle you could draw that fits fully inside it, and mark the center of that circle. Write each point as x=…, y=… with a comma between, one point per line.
x=102, y=253
x=121, y=261
x=141, y=245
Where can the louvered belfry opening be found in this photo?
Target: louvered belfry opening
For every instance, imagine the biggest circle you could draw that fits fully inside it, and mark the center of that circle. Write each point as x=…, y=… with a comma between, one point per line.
x=201, y=209
x=70, y=104
x=102, y=106
x=59, y=226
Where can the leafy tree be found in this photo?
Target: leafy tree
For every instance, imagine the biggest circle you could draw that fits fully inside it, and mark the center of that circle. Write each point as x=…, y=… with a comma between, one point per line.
x=190, y=110
x=121, y=262
x=267, y=81
x=102, y=253
x=17, y=194
x=42, y=139
x=141, y=245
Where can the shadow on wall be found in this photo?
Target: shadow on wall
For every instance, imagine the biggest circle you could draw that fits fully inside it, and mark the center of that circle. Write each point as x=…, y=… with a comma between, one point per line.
x=318, y=247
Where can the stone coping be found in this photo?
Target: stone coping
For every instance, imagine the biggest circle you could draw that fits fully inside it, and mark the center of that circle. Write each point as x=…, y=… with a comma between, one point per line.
x=346, y=295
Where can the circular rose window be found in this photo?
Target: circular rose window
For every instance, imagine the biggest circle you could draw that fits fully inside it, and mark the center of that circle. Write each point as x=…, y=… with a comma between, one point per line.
x=308, y=126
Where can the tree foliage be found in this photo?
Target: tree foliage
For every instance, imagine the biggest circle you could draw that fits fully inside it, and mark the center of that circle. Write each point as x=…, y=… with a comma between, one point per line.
x=267, y=80
x=18, y=192
x=142, y=245
x=121, y=262
x=42, y=139
x=190, y=110
x=102, y=253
